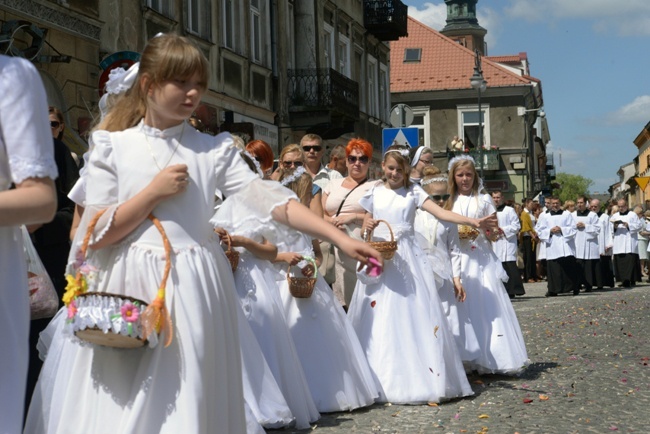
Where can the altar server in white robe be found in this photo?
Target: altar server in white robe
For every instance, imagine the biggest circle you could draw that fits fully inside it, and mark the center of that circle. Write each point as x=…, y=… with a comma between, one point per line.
x=587, y=253
x=557, y=230
x=625, y=227
x=504, y=244
x=604, y=271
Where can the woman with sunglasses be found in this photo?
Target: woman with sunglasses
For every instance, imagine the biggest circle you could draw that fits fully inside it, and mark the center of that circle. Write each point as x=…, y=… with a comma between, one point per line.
x=292, y=157
x=342, y=209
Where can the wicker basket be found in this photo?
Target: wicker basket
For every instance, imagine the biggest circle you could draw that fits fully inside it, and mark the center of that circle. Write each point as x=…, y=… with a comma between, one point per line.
x=386, y=248
x=467, y=232
x=232, y=255
x=132, y=339
x=302, y=287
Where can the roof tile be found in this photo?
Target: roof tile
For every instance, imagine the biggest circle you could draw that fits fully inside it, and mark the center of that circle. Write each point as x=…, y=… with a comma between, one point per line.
x=444, y=64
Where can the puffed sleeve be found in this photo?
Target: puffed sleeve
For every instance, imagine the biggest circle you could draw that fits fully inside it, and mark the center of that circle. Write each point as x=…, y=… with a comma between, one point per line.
x=102, y=187
x=366, y=201
x=420, y=195
x=250, y=201
x=488, y=205
x=24, y=128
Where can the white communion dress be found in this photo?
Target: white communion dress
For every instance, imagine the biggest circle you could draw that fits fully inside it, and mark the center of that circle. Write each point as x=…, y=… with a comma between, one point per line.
x=337, y=372
x=26, y=151
x=399, y=318
x=259, y=295
x=195, y=384
x=485, y=325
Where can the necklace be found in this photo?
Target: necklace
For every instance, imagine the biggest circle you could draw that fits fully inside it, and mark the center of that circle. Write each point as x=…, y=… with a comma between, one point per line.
x=178, y=142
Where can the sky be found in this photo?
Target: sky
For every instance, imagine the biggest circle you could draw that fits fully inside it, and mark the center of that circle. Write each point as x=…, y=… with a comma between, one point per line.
x=593, y=58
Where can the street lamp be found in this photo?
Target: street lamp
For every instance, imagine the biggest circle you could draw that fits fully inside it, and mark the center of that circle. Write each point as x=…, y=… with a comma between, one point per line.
x=478, y=82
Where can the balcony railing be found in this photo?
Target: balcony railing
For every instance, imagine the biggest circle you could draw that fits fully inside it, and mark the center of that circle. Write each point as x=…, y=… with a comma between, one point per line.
x=386, y=19
x=323, y=89
x=489, y=158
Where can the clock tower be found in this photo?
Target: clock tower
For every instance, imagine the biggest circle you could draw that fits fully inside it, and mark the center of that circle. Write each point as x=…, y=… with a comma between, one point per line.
x=462, y=25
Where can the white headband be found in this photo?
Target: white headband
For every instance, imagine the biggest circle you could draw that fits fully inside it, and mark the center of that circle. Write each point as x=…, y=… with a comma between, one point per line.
x=403, y=152
x=441, y=178
x=255, y=162
x=417, y=155
x=460, y=158
x=294, y=176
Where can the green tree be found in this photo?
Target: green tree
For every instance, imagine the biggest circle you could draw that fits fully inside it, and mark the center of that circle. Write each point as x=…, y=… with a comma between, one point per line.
x=569, y=187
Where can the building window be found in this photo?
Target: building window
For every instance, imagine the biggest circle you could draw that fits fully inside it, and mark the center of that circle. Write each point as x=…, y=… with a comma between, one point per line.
x=344, y=55
x=373, y=88
x=328, y=44
x=229, y=23
x=198, y=18
x=421, y=122
x=412, y=54
x=163, y=7
x=360, y=76
x=256, y=31
x=384, y=93
x=468, y=125
x=291, y=32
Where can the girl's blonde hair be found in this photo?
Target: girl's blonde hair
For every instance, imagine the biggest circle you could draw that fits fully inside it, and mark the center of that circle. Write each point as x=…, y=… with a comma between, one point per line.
x=451, y=183
x=400, y=153
x=166, y=57
x=301, y=186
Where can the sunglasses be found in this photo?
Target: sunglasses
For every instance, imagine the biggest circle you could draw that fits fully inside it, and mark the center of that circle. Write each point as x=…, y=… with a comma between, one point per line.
x=288, y=164
x=316, y=148
x=55, y=124
x=427, y=162
x=438, y=198
x=362, y=159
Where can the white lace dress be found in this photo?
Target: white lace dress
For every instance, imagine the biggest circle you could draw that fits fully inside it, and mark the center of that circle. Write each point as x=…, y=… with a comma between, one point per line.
x=399, y=319
x=259, y=295
x=26, y=151
x=336, y=369
x=485, y=325
x=194, y=385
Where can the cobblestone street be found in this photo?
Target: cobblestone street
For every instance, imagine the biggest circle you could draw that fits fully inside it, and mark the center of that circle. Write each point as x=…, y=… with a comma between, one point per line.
x=589, y=373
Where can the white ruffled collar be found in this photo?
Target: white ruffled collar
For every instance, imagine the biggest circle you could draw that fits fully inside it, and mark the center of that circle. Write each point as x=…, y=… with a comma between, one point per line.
x=174, y=131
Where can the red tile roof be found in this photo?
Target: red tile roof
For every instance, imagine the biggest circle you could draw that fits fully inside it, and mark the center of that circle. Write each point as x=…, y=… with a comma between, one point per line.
x=444, y=64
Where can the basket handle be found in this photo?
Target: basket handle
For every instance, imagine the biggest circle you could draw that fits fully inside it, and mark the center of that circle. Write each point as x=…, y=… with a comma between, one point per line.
x=311, y=261
x=155, y=316
x=369, y=233
x=166, y=244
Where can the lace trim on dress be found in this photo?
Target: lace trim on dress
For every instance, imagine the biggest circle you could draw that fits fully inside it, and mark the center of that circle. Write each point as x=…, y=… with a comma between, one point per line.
x=106, y=313
x=23, y=168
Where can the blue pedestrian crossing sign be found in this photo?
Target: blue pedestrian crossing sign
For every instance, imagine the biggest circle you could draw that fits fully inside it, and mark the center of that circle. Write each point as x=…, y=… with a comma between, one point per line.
x=400, y=136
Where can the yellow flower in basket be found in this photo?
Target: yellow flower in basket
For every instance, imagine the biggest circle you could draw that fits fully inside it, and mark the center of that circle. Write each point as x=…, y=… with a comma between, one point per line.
x=73, y=288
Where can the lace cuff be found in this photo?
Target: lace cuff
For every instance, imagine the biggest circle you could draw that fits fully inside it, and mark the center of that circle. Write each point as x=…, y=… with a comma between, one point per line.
x=23, y=168
x=248, y=212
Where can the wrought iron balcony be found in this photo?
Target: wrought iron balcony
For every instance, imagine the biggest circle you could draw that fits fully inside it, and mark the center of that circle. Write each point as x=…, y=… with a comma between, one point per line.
x=386, y=19
x=489, y=158
x=324, y=89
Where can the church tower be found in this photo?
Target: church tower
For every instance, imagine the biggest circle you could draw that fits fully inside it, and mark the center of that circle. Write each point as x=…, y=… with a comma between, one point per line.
x=462, y=25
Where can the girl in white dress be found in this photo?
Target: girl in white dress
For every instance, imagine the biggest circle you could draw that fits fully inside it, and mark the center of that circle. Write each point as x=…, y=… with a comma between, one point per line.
x=399, y=318
x=27, y=160
x=147, y=159
x=337, y=371
x=439, y=240
x=486, y=328
x=259, y=295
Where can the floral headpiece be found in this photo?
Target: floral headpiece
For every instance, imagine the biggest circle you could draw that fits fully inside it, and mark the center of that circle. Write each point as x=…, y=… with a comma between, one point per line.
x=294, y=176
x=403, y=152
x=441, y=178
x=256, y=163
x=459, y=158
x=121, y=80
